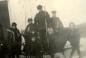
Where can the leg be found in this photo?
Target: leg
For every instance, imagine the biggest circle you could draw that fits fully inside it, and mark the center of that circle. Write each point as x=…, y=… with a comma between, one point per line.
x=26, y=55
x=63, y=54
x=52, y=56
x=18, y=52
x=13, y=55
x=17, y=56
x=44, y=40
x=78, y=51
x=73, y=50
x=42, y=54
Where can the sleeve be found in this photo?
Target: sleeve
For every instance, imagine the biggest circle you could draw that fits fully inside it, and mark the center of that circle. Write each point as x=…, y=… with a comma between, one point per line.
x=48, y=19
x=25, y=32
x=78, y=33
x=59, y=23
x=36, y=19
x=18, y=33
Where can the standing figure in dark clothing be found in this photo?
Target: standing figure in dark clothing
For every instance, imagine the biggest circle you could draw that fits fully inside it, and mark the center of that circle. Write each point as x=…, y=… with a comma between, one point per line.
x=15, y=41
x=74, y=38
x=41, y=22
x=30, y=27
x=55, y=32
x=56, y=23
x=31, y=46
x=29, y=34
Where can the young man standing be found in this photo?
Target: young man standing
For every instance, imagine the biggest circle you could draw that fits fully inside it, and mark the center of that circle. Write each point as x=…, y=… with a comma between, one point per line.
x=41, y=22
x=56, y=23
x=74, y=38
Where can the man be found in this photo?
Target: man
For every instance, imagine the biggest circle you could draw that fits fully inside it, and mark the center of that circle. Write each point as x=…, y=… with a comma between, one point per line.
x=74, y=38
x=55, y=33
x=15, y=40
x=30, y=27
x=30, y=30
x=29, y=37
x=41, y=22
x=56, y=23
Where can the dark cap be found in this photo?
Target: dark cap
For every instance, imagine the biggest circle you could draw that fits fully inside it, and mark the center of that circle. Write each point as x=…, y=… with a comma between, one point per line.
x=53, y=11
x=29, y=19
x=39, y=7
x=14, y=24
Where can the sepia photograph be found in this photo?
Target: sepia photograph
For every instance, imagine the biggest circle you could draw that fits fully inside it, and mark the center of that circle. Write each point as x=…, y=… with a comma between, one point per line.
x=42, y=28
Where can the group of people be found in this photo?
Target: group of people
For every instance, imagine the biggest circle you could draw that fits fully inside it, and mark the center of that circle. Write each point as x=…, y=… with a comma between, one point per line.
x=43, y=26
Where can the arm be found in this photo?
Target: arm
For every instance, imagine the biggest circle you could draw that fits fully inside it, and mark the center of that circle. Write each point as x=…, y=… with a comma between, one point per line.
x=48, y=19
x=59, y=23
x=36, y=19
x=25, y=32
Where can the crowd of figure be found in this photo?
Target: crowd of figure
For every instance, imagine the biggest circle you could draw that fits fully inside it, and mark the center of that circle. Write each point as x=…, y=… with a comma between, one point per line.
x=46, y=35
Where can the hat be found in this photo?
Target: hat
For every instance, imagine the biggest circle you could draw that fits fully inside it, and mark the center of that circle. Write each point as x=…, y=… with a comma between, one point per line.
x=14, y=24
x=39, y=7
x=29, y=19
x=53, y=11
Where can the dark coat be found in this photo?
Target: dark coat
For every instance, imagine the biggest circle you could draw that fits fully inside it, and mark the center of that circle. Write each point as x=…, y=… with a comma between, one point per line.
x=14, y=40
x=41, y=20
x=17, y=36
x=74, y=37
x=31, y=47
x=29, y=29
x=56, y=23
x=28, y=34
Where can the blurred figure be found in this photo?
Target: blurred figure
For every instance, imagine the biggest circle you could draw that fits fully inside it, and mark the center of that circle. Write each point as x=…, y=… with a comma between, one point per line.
x=29, y=35
x=56, y=23
x=72, y=26
x=74, y=38
x=17, y=39
x=14, y=40
x=55, y=31
x=41, y=22
x=30, y=27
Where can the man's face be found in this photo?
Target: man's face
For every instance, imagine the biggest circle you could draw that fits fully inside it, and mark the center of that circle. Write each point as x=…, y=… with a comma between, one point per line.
x=72, y=26
x=54, y=14
x=13, y=27
x=40, y=9
x=30, y=22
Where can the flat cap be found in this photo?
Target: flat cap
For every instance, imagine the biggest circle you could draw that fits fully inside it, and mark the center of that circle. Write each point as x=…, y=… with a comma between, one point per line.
x=53, y=11
x=29, y=19
x=39, y=7
x=14, y=24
